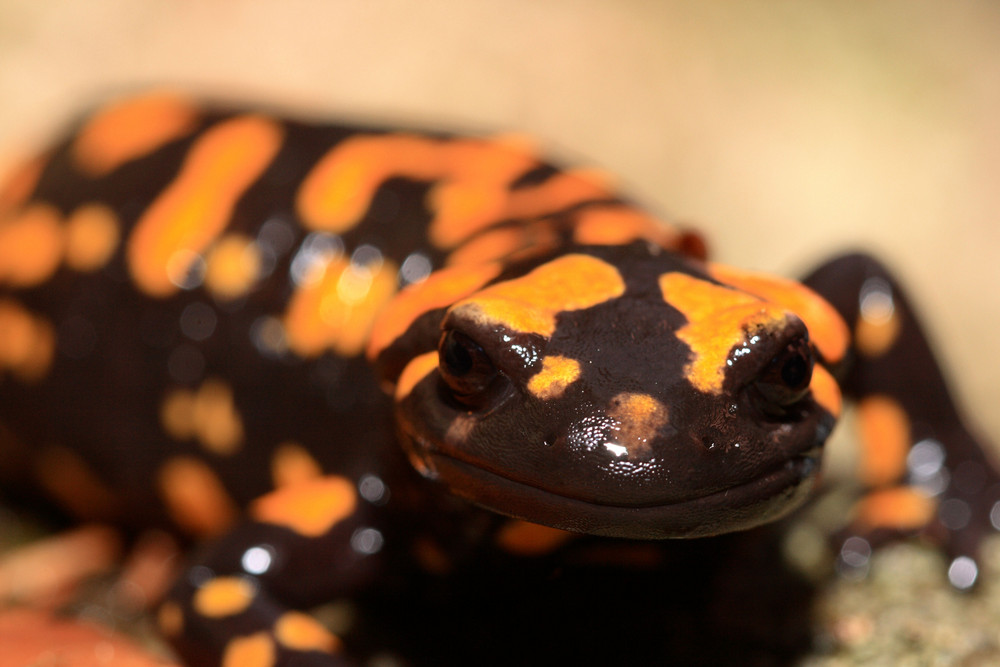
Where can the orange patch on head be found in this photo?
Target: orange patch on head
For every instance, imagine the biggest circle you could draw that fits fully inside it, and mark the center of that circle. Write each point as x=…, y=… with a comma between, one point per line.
x=617, y=224
x=301, y=632
x=256, y=650
x=827, y=330
x=208, y=414
x=92, y=236
x=232, y=266
x=640, y=417
x=336, y=307
x=900, y=508
x=556, y=374
x=530, y=304
x=442, y=288
x=196, y=207
x=292, y=464
x=885, y=440
x=523, y=538
x=31, y=245
x=27, y=342
x=718, y=319
x=131, y=129
x=415, y=371
x=224, y=596
x=194, y=497
x=75, y=485
x=310, y=508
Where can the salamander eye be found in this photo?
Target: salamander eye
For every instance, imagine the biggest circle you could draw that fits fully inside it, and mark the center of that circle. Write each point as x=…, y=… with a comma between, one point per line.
x=465, y=368
x=785, y=380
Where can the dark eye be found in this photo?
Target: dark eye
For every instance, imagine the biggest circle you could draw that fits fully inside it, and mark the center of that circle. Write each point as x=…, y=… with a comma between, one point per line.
x=785, y=380
x=465, y=367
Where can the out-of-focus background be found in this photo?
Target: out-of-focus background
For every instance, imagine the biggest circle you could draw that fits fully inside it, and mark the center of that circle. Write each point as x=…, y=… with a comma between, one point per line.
x=786, y=129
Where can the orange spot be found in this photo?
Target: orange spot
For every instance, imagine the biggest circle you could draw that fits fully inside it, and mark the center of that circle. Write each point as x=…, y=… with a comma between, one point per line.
x=292, y=464
x=131, y=129
x=557, y=373
x=255, y=650
x=885, y=440
x=195, y=208
x=27, y=342
x=311, y=508
x=523, y=538
x=31, y=246
x=531, y=303
x=224, y=596
x=826, y=391
x=901, y=508
x=876, y=330
x=195, y=497
x=827, y=330
x=208, y=414
x=336, y=307
x=472, y=177
x=232, y=266
x=639, y=417
x=301, y=632
x=718, y=319
x=170, y=619
x=70, y=480
x=617, y=224
x=21, y=183
x=415, y=371
x=92, y=235
x=441, y=289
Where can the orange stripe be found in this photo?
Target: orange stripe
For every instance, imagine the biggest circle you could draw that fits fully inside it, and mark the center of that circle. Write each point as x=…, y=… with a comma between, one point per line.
x=718, y=318
x=899, y=508
x=472, y=178
x=827, y=330
x=198, y=205
x=130, y=129
x=441, y=289
x=885, y=439
x=21, y=183
x=336, y=308
x=531, y=303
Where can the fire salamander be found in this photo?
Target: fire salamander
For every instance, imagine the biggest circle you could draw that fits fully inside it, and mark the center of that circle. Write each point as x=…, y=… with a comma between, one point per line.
x=351, y=361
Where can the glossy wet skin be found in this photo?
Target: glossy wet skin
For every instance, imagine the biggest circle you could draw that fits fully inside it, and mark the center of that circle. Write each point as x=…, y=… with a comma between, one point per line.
x=598, y=417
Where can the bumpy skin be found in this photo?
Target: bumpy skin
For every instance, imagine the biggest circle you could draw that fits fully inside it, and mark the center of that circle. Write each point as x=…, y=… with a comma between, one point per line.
x=322, y=349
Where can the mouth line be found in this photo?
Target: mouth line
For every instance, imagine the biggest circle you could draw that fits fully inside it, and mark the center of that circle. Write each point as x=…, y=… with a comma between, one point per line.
x=796, y=468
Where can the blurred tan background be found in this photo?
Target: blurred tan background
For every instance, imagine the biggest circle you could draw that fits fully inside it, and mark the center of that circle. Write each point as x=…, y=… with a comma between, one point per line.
x=786, y=129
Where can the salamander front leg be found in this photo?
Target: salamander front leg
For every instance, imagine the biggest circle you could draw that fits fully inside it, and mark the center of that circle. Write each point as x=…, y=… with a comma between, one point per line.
x=923, y=469
x=238, y=604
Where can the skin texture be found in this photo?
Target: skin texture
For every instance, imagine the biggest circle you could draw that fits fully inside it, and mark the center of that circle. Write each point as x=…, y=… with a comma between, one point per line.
x=352, y=362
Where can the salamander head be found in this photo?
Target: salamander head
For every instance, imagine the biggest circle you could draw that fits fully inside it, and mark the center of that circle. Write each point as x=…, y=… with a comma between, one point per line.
x=610, y=390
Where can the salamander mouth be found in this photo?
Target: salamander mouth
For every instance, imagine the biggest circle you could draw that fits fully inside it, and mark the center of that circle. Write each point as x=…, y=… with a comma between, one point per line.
x=765, y=498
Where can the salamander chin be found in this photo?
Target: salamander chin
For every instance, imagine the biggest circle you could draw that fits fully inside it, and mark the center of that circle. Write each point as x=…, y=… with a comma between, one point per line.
x=760, y=500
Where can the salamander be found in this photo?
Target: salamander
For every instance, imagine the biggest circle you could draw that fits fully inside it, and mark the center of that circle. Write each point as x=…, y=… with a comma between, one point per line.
x=339, y=358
